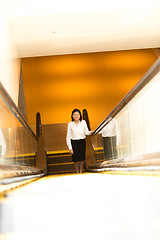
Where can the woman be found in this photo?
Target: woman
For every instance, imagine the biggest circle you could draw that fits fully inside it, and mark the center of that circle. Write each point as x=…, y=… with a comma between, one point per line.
x=76, y=133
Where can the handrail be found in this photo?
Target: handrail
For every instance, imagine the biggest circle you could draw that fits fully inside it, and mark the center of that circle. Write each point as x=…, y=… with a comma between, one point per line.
x=143, y=81
x=86, y=118
x=17, y=113
x=38, y=125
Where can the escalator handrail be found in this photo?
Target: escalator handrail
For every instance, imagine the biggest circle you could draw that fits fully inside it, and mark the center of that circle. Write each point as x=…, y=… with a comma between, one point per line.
x=153, y=70
x=14, y=109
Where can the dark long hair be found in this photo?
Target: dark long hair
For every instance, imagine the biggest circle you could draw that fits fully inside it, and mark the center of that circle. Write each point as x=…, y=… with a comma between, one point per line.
x=76, y=110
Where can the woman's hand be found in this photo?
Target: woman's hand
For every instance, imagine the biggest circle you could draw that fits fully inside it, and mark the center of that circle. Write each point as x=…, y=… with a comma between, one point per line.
x=71, y=151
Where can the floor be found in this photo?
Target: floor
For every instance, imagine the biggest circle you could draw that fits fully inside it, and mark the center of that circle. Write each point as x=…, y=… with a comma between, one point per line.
x=83, y=206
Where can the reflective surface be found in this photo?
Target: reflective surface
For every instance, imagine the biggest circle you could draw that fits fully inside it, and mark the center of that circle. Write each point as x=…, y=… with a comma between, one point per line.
x=137, y=132
x=139, y=122
x=17, y=146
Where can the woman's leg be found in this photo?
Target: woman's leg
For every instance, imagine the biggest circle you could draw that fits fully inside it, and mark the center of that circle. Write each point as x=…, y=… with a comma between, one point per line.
x=76, y=167
x=107, y=148
x=114, y=149
x=81, y=163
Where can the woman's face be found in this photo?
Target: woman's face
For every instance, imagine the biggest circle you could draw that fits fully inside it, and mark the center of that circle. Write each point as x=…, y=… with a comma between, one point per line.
x=76, y=116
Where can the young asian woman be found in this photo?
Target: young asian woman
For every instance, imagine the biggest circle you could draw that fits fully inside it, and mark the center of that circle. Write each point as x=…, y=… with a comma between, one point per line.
x=76, y=134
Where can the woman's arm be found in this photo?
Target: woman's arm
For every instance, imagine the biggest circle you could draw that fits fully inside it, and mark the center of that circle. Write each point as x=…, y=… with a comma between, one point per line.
x=68, y=137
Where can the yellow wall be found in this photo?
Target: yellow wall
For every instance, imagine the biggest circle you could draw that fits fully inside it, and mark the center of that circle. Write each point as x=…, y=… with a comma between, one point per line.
x=55, y=85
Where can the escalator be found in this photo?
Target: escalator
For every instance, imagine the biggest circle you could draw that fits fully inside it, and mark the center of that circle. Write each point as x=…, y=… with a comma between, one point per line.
x=22, y=153
x=137, y=130
x=104, y=202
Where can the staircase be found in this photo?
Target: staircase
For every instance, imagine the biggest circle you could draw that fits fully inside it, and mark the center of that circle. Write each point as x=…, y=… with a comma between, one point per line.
x=59, y=162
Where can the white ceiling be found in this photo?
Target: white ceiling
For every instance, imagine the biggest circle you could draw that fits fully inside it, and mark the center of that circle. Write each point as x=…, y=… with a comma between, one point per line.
x=42, y=28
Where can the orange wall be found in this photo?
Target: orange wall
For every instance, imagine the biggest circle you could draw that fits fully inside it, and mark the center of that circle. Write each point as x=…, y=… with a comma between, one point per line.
x=55, y=85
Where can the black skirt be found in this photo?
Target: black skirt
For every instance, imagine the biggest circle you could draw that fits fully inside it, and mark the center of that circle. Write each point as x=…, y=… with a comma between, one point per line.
x=109, y=147
x=79, y=150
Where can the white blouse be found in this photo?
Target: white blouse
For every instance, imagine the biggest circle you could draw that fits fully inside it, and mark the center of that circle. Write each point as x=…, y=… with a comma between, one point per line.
x=76, y=132
x=111, y=129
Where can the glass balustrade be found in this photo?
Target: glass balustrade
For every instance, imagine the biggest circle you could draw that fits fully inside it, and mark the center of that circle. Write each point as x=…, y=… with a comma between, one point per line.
x=135, y=133
x=18, y=144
